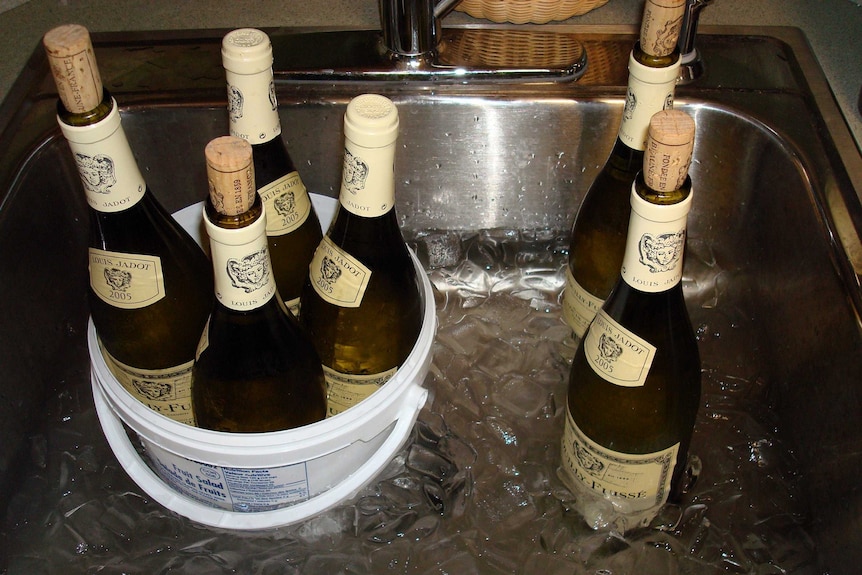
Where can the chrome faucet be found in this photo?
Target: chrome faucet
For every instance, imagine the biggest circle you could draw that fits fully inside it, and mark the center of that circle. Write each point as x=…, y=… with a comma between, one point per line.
x=411, y=28
x=412, y=45
x=691, y=65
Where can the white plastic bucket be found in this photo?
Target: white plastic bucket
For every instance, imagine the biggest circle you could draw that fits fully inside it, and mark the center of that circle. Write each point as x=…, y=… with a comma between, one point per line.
x=264, y=480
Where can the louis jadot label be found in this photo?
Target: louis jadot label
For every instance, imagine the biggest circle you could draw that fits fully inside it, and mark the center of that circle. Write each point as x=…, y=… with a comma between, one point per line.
x=108, y=170
x=165, y=391
x=336, y=276
x=367, y=185
x=657, y=263
x=636, y=482
x=345, y=390
x=127, y=281
x=287, y=204
x=579, y=305
x=617, y=355
x=244, y=279
x=252, y=106
x=650, y=90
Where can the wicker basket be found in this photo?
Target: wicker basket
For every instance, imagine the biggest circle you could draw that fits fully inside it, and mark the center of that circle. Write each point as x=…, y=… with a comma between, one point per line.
x=527, y=11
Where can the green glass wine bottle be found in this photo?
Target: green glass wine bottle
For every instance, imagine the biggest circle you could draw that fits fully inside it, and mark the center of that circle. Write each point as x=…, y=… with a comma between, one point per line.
x=150, y=283
x=361, y=303
x=293, y=228
x=256, y=370
x=635, y=381
x=599, y=232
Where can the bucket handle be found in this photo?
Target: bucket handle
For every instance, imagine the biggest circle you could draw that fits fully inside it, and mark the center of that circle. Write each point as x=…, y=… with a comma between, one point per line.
x=147, y=480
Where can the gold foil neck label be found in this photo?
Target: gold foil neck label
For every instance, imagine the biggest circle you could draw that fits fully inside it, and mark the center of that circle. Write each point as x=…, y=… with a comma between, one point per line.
x=336, y=276
x=126, y=281
x=287, y=204
x=616, y=354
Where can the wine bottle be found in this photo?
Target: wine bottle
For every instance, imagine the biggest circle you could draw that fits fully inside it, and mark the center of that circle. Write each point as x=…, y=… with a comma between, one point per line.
x=634, y=387
x=599, y=231
x=256, y=370
x=150, y=284
x=361, y=303
x=293, y=228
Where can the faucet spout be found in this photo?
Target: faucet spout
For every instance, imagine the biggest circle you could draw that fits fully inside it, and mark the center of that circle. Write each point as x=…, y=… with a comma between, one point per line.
x=411, y=28
x=691, y=67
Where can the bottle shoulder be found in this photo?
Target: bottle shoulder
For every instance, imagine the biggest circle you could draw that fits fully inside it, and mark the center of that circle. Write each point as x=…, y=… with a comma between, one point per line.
x=264, y=329
x=146, y=227
x=271, y=161
x=377, y=239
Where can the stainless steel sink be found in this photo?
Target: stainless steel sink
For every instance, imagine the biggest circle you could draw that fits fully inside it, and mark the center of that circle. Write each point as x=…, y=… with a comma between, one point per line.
x=777, y=174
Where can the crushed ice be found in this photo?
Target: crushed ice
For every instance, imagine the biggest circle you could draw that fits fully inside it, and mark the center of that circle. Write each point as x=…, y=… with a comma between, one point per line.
x=474, y=490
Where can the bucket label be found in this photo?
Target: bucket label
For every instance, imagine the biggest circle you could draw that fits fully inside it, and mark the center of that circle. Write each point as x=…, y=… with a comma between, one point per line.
x=165, y=391
x=345, y=390
x=287, y=204
x=233, y=489
x=126, y=281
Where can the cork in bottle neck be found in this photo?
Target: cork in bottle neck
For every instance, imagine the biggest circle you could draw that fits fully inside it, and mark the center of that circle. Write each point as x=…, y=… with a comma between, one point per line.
x=73, y=65
x=230, y=174
x=670, y=144
x=660, y=27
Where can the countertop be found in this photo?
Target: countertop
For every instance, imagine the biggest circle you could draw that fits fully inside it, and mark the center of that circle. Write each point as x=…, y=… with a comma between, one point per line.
x=833, y=27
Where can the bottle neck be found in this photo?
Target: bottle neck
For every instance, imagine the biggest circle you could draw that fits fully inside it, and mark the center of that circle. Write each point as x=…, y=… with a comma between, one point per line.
x=241, y=263
x=109, y=173
x=368, y=180
x=252, y=106
x=650, y=89
x=653, y=258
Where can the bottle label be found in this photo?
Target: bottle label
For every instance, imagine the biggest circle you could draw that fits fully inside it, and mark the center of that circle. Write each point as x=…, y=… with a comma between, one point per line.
x=650, y=90
x=166, y=391
x=294, y=306
x=243, y=270
x=617, y=355
x=653, y=257
x=336, y=276
x=635, y=483
x=252, y=106
x=110, y=175
x=346, y=390
x=367, y=180
x=204, y=342
x=126, y=281
x=579, y=305
x=286, y=203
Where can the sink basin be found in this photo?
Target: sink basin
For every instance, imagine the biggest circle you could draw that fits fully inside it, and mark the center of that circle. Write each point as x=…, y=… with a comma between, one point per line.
x=778, y=183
